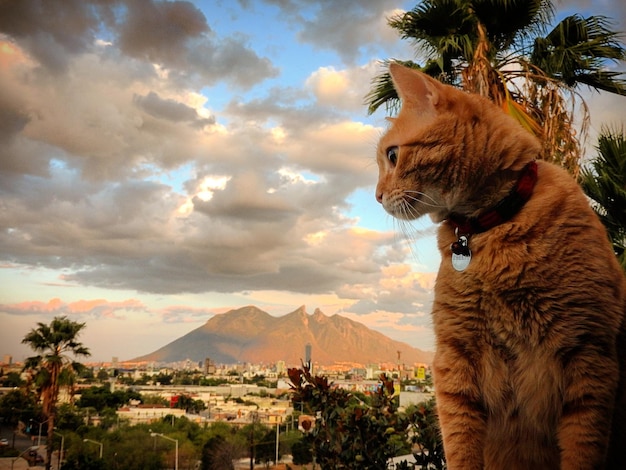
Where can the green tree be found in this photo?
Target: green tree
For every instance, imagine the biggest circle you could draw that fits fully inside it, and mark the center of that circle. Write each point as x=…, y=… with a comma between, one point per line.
x=68, y=417
x=506, y=51
x=153, y=399
x=217, y=453
x=189, y=404
x=265, y=449
x=101, y=398
x=18, y=405
x=302, y=452
x=426, y=436
x=349, y=433
x=604, y=181
x=12, y=380
x=103, y=375
x=83, y=461
x=56, y=344
x=131, y=448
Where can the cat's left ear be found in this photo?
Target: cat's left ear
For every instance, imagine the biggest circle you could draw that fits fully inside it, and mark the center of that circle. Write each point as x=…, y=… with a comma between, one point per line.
x=414, y=87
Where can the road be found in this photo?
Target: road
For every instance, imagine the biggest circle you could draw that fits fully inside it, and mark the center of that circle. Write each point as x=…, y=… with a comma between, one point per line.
x=22, y=443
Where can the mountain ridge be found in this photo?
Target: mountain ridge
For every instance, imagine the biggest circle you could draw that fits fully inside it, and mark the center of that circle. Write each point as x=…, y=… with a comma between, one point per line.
x=249, y=334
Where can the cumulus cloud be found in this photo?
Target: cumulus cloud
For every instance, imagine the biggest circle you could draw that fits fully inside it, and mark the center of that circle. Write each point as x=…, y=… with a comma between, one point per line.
x=345, y=88
x=172, y=34
x=350, y=29
x=125, y=166
x=171, y=110
x=159, y=31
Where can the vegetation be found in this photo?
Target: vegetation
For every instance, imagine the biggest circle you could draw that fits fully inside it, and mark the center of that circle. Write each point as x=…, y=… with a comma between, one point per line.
x=99, y=398
x=371, y=428
x=506, y=51
x=605, y=183
x=354, y=432
x=57, y=345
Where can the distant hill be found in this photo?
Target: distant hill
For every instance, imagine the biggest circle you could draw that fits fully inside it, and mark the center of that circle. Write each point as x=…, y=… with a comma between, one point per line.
x=249, y=334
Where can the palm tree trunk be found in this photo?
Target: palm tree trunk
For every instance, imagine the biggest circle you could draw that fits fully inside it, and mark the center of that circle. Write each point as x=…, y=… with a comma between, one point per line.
x=49, y=441
x=50, y=397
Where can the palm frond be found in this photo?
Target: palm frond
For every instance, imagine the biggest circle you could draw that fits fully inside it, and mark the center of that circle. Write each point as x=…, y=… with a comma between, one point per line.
x=522, y=115
x=440, y=28
x=577, y=51
x=512, y=21
x=604, y=181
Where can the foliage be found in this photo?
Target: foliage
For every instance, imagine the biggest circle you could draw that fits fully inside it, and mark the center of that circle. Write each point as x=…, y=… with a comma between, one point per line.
x=86, y=375
x=154, y=399
x=500, y=49
x=604, y=181
x=12, y=380
x=302, y=452
x=18, y=405
x=425, y=436
x=56, y=345
x=349, y=433
x=265, y=449
x=217, y=453
x=68, y=417
x=102, y=375
x=100, y=398
x=163, y=379
x=83, y=462
x=189, y=404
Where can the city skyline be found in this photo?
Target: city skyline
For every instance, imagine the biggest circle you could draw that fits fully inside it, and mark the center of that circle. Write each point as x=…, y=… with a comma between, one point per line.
x=165, y=164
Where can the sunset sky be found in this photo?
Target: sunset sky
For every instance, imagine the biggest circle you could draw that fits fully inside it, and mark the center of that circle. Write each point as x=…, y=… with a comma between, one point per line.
x=164, y=162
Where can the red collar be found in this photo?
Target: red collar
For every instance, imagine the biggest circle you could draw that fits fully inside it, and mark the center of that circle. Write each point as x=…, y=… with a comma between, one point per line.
x=503, y=210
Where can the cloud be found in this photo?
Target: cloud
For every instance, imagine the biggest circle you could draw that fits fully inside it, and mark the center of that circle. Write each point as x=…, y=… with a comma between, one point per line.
x=350, y=29
x=170, y=110
x=56, y=307
x=344, y=89
x=172, y=34
x=118, y=172
x=159, y=31
x=53, y=30
x=184, y=314
x=614, y=11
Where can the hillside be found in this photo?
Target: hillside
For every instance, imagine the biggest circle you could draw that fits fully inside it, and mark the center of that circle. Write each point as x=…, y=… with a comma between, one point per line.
x=249, y=334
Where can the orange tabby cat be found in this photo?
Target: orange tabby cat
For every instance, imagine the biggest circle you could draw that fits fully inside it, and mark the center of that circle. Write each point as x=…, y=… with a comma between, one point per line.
x=529, y=299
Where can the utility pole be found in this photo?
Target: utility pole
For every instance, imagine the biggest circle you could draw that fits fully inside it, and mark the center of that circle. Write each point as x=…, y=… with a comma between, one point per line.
x=277, y=439
x=252, y=448
x=255, y=417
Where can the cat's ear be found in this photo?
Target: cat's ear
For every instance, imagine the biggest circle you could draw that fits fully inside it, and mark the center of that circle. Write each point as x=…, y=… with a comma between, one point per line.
x=414, y=87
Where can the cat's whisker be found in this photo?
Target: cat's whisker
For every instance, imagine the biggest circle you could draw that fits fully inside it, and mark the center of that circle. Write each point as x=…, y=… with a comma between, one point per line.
x=424, y=203
x=409, y=211
x=434, y=202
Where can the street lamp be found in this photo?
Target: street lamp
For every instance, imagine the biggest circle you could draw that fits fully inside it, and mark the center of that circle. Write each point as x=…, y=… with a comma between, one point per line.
x=95, y=442
x=61, y=451
x=40, y=425
x=154, y=434
x=19, y=456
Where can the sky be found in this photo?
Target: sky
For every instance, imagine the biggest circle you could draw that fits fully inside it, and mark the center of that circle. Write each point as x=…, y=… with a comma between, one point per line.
x=162, y=162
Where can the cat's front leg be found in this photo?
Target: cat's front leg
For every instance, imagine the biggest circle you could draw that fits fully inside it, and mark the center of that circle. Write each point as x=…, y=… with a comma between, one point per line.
x=461, y=412
x=588, y=401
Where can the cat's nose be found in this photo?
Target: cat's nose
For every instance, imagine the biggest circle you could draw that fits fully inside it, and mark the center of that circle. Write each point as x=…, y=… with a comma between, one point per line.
x=379, y=196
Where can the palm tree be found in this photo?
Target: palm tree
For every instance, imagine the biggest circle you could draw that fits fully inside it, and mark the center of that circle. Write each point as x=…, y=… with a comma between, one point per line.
x=500, y=49
x=605, y=183
x=54, y=344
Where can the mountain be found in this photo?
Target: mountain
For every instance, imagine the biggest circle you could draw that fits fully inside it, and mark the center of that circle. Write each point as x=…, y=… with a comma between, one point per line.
x=249, y=334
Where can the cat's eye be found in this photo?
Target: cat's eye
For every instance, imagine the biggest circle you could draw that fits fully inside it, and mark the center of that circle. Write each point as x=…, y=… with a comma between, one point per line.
x=392, y=155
